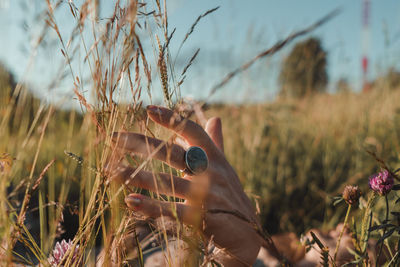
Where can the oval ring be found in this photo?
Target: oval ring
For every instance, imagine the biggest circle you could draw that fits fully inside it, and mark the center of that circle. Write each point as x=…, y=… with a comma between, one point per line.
x=196, y=160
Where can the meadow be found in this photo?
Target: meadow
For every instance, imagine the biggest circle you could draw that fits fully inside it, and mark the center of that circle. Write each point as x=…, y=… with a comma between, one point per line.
x=298, y=155
x=293, y=156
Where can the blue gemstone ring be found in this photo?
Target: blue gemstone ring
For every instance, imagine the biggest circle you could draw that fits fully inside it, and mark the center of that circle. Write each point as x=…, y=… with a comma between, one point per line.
x=196, y=160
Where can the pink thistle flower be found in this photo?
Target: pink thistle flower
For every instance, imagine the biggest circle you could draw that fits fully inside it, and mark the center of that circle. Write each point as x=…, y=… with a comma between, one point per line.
x=59, y=251
x=381, y=182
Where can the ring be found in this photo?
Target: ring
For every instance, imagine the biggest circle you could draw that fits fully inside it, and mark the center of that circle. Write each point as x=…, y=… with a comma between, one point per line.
x=196, y=160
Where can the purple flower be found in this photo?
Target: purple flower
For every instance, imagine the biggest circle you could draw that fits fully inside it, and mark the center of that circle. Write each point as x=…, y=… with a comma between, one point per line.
x=59, y=251
x=381, y=182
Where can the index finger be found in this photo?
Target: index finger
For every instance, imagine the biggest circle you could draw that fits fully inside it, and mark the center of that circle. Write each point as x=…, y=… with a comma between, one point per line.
x=191, y=131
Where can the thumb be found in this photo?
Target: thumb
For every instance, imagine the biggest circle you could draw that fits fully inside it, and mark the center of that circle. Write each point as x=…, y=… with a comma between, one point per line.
x=214, y=130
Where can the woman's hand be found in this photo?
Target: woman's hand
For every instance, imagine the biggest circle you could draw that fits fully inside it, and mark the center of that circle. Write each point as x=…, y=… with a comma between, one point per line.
x=214, y=200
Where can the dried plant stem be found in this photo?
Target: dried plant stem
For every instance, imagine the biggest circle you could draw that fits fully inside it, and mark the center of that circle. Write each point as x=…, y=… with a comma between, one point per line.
x=324, y=251
x=19, y=227
x=163, y=74
x=27, y=194
x=394, y=258
x=342, y=231
x=194, y=25
x=384, y=231
x=365, y=224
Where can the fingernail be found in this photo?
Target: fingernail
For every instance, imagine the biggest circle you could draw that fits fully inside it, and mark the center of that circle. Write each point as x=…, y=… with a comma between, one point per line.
x=154, y=110
x=133, y=201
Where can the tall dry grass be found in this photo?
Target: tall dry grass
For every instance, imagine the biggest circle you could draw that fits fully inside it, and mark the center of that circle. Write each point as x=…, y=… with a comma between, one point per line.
x=57, y=180
x=295, y=155
x=292, y=155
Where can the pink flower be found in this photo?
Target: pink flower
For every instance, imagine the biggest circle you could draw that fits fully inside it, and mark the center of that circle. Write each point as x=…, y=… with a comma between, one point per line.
x=59, y=251
x=381, y=182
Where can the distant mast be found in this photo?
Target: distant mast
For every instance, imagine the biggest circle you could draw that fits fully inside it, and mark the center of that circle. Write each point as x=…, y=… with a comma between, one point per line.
x=365, y=43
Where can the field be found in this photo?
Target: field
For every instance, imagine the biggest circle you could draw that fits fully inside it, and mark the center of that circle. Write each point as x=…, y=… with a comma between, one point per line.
x=298, y=155
x=293, y=156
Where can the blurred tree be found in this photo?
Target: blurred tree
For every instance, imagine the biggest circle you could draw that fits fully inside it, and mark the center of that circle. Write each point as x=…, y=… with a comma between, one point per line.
x=304, y=70
x=7, y=84
x=342, y=86
x=393, y=78
x=390, y=79
x=18, y=107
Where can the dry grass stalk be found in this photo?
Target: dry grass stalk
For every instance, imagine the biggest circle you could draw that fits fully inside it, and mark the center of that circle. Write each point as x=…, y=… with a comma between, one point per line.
x=190, y=62
x=37, y=183
x=196, y=22
x=163, y=74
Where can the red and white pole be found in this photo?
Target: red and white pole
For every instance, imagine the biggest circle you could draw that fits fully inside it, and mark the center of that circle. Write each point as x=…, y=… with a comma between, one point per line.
x=365, y=42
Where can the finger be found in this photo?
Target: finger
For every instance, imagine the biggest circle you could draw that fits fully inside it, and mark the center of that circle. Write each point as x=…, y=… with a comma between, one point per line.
x=182, y=142
x=214, y=130
x=191, y=131
x=155, y=208
x=173, y=154
x=161, y=183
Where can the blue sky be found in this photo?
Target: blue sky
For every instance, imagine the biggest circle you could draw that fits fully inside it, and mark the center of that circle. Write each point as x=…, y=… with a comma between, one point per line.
x=237, y=31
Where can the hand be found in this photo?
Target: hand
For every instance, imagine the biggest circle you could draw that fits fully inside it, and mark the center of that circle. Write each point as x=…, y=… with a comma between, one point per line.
x=214, y=200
